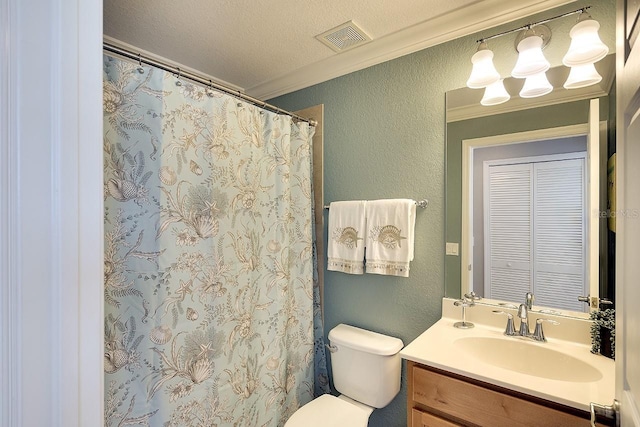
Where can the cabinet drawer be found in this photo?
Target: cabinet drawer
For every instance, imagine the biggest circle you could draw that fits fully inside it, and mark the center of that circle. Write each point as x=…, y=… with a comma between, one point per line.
x=476, y=405
x=425, y=419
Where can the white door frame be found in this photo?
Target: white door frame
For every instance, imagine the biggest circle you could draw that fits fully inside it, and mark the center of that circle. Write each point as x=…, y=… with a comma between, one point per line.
x=627, y=223
x=51, y=213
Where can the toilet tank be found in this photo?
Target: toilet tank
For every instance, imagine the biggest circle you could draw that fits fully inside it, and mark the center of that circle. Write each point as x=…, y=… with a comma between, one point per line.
x=365, y=365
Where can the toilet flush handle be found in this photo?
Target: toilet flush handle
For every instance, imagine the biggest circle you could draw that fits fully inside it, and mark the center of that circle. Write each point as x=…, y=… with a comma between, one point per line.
x=332, y=348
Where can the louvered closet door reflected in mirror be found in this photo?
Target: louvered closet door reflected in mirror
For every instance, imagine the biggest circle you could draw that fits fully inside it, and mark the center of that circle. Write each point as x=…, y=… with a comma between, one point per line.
x=535, y=229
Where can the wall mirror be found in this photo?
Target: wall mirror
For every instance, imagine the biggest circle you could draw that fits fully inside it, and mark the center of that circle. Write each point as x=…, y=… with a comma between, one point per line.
x=526, y=195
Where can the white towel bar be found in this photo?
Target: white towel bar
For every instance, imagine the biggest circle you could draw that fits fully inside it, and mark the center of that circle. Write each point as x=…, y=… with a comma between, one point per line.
x=419, y=203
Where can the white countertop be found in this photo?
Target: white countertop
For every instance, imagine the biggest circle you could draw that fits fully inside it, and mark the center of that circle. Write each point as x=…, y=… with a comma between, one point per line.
x=435, y=347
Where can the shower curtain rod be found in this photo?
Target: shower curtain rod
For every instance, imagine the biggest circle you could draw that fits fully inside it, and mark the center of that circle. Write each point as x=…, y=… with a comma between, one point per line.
x=201, y=80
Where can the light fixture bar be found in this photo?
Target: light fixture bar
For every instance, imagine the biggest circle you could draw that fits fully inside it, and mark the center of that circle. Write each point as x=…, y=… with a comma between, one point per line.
x=528, y=26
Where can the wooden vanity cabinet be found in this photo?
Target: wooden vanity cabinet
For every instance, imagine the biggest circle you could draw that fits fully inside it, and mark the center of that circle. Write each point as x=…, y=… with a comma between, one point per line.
x=438, y=398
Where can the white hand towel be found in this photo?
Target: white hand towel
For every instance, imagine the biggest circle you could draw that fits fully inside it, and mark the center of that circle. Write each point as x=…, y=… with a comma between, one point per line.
x=345, y=249
x=390, y=236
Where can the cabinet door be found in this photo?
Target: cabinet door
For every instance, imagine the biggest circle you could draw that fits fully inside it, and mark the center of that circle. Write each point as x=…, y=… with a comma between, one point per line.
x=477, y=405
x=425, y=419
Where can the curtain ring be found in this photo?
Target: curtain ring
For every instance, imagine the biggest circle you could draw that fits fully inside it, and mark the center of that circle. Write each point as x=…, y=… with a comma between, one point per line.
x=178, y=82
x=210, y=89
x=140, y=68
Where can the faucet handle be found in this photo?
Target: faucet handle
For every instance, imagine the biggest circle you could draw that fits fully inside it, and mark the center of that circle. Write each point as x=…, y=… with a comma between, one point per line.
x=510, y=330
x=538, y=333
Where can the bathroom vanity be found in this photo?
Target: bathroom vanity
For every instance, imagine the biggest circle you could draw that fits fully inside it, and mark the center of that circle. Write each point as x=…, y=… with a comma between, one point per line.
x=479, y=377
x=438, y=398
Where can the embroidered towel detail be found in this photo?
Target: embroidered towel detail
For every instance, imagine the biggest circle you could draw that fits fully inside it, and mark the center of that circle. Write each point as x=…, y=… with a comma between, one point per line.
x=390, y=236
x=345, y=249
x=389, y=268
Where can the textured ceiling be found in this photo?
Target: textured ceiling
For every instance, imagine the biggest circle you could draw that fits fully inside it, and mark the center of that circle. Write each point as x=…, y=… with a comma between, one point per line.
x=267, y=48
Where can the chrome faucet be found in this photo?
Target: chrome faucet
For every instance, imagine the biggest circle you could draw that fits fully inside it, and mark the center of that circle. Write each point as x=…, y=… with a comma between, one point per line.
x=528, y=300
x=523, y=314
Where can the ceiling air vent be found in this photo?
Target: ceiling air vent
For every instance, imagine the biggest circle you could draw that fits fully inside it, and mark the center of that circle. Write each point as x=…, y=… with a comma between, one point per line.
x=344, y=37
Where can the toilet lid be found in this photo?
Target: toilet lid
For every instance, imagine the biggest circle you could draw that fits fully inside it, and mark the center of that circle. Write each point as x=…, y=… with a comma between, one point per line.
x=329, y=411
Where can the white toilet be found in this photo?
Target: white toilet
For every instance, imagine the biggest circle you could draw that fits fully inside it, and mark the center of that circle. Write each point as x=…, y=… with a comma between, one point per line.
x=366, y=370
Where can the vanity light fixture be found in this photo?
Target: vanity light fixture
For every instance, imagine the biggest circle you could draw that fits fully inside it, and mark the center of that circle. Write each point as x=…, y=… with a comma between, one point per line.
x=582, y=76
x=484, y=73
x=536, y=85
x=531, y=65
x=586, y=46
x=531, y=60
x=495, y=94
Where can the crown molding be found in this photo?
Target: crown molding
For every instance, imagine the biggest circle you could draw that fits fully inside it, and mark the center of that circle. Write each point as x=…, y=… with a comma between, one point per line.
x=470, y=19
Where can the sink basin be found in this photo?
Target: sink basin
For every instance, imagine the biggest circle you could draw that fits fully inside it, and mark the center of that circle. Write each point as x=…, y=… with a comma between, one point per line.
x=526, y=357
x=562, y=370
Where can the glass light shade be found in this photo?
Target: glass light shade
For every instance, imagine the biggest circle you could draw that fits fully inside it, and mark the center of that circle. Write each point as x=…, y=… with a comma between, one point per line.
x=531, y=60
x=495, y=94
x=536, y=85
x=484, y=72
x=582, y=76
x=586, y=46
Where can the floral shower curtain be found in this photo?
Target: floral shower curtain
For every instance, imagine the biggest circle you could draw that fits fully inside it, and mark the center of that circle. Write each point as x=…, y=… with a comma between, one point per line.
x=209, y=257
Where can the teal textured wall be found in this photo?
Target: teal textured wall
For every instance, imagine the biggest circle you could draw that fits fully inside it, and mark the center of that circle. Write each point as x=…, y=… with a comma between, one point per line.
x=384, y=137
